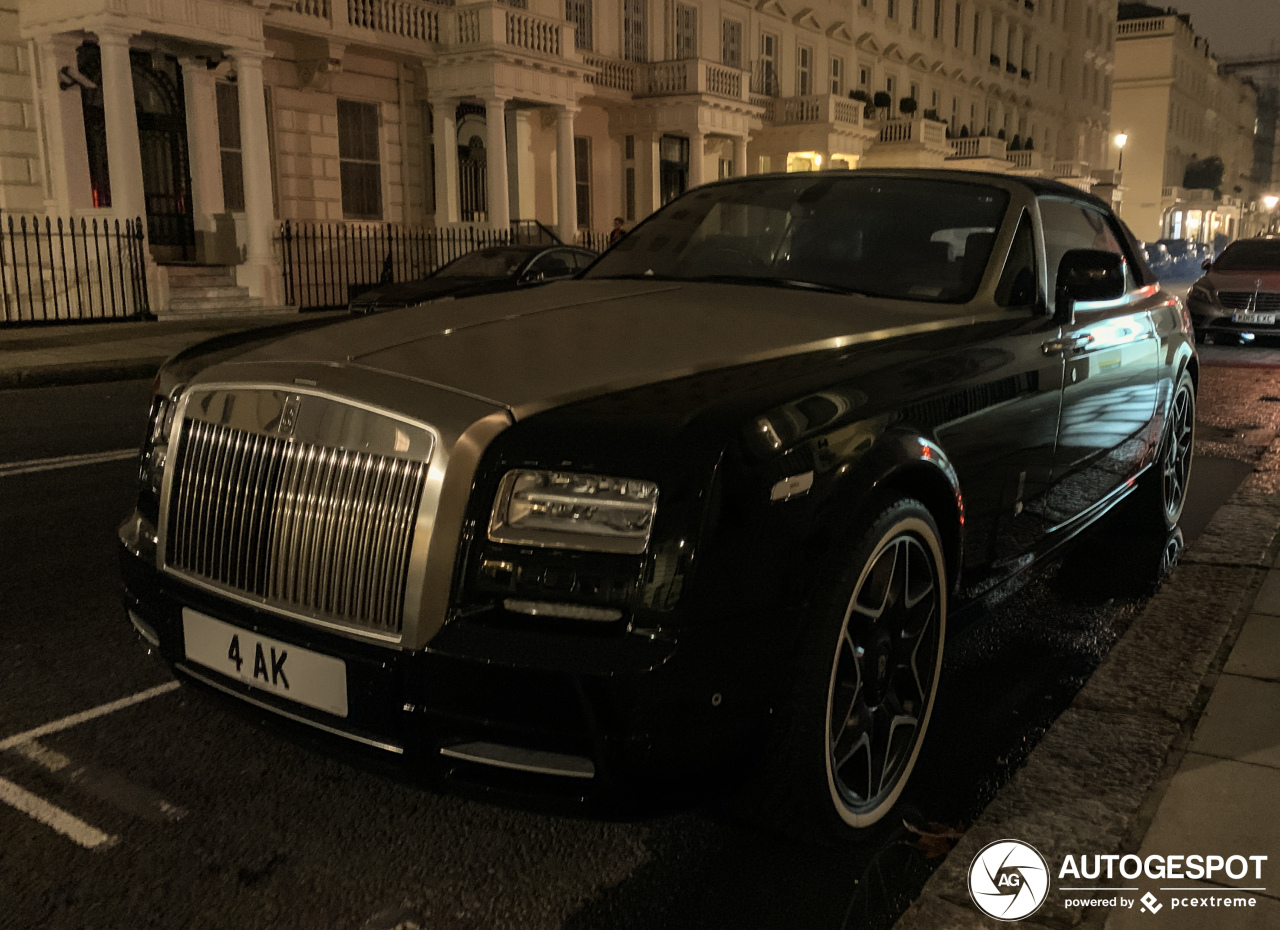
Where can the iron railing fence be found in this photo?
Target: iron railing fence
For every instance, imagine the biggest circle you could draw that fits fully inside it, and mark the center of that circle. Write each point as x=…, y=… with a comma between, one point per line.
x=56, y=270
x=325, y=264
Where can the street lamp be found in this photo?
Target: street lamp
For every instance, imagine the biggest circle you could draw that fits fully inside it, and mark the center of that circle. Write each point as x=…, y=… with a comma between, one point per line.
x=1269, y=201
x=1120, y=140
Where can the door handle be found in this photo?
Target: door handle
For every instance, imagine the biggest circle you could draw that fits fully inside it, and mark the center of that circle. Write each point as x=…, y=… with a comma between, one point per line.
x=1067, y=344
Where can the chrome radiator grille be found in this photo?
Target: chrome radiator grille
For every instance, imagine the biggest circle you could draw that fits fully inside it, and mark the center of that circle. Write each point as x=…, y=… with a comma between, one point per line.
x=1258, y=302
x=315, y=530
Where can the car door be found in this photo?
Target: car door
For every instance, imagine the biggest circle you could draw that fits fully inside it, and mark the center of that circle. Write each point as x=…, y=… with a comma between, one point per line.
x=1111, y=377
x=1003, y=453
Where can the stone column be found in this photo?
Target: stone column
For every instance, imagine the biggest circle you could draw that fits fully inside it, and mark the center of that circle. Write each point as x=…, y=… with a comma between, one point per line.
x=204, y=152
x=124, y=153
x=697, y=159
x=739, y=156
x=495, y=114
x=566, y=176
x=258, y=272
x=444, y=137
x=63, y=111
x=520, y=166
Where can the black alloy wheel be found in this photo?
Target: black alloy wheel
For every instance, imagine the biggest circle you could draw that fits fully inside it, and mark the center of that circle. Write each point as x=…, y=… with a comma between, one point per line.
x=885, y=670
x=1177, y=450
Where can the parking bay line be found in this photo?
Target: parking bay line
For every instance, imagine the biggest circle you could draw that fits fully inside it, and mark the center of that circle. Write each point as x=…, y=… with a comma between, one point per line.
x=31, y=466
x=53, y=816
x=50, y=814
x=75, y=719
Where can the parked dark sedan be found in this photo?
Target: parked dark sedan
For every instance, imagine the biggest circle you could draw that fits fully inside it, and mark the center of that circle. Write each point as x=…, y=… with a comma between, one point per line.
x=1239, y=295
x=711, y=507
x=484, y=271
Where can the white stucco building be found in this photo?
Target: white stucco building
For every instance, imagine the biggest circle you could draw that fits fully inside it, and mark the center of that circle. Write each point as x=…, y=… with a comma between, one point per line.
x=1177, y=106
x=219, y=120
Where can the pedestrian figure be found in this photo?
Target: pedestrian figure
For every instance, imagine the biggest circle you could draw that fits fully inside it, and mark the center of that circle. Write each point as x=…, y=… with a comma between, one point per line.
x=617, y=232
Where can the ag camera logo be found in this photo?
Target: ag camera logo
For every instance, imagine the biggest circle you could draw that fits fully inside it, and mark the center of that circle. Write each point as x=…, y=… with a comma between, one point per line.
x=1008, y=880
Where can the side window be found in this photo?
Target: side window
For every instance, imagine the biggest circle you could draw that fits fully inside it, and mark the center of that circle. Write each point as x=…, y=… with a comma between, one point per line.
x=1017, y=286
x=550, y=265
x=1070, y=226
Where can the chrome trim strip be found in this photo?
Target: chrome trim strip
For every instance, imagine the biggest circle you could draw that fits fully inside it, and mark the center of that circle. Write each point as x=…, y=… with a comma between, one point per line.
x=456, y=470
x=389, y=747
x=523, y=760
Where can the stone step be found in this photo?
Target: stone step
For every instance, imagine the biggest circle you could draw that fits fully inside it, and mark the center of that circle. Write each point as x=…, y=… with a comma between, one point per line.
x=226, y=290
x=213, y=303
x=177, y=284
x=222, y=313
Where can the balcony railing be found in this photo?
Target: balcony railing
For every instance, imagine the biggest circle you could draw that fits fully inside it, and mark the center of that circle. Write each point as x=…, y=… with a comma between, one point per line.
x=814, y=108
x=1140, y=28
x=611, y=73
x=690, y=76
x=1071, y=169
x=489, y=24
x=977, y=147
x=926, y=131
x=1026, y=160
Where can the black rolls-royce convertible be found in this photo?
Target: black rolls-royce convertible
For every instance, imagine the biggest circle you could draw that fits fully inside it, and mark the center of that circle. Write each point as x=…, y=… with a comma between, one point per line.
x=716, y=499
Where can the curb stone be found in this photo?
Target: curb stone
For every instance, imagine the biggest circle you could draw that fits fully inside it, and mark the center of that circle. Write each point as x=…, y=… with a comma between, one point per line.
x=89, y=373
x=1090, y=783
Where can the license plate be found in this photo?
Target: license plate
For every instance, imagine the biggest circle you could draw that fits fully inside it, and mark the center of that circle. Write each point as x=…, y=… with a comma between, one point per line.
x=283, y=669
x=1261, y=318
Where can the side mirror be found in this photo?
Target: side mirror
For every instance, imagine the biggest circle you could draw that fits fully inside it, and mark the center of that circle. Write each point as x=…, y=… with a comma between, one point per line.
x=1207, y=264
x=1088, y=275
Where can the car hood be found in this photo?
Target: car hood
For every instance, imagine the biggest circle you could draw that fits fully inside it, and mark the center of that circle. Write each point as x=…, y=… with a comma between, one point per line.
x=1244, y=280
x=531, y=350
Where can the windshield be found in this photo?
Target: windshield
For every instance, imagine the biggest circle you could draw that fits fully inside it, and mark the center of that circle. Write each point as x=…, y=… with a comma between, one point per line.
x=484, y=263
x=1250, y=255
x=903, y=238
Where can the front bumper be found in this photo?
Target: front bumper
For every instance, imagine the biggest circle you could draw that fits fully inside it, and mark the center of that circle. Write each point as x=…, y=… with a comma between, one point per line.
x=1212, y=320
x=551, y=711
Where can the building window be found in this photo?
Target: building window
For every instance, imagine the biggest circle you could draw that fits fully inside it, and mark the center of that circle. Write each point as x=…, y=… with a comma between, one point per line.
x=686, y=31
x=360, y=170
x=229, y=144
x=889, y=85
x=891, y=9
x=837, y=76
x=726, y=168
x=767, y=75
x=864, y=78
x=959, y=18
x=977, y=30
x=582, y=178
x=731, y=43
x=578, y=12
x=915, y=15
x=937, y=19
x=673, y=170
x=804, y=70
x=635, y=30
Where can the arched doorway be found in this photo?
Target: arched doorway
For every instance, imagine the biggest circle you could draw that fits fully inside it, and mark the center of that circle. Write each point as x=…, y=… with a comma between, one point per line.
x=162, y=137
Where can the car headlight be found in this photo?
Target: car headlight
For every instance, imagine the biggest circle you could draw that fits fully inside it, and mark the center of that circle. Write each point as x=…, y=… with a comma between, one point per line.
x=1203, y=293
x=573, y=511
x=155, y=447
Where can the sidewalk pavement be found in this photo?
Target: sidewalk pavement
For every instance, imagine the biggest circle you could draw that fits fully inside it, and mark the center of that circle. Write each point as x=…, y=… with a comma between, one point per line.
x=1172, y=748
x=39, y=356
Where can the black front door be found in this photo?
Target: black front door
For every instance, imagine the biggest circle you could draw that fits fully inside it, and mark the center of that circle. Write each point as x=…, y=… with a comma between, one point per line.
x=162, y=137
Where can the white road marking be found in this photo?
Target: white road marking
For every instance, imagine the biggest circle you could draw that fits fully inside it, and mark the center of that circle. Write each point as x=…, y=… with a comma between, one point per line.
x=9, y=469
x=53, y=816
x=76, y=719
x=108, y=785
